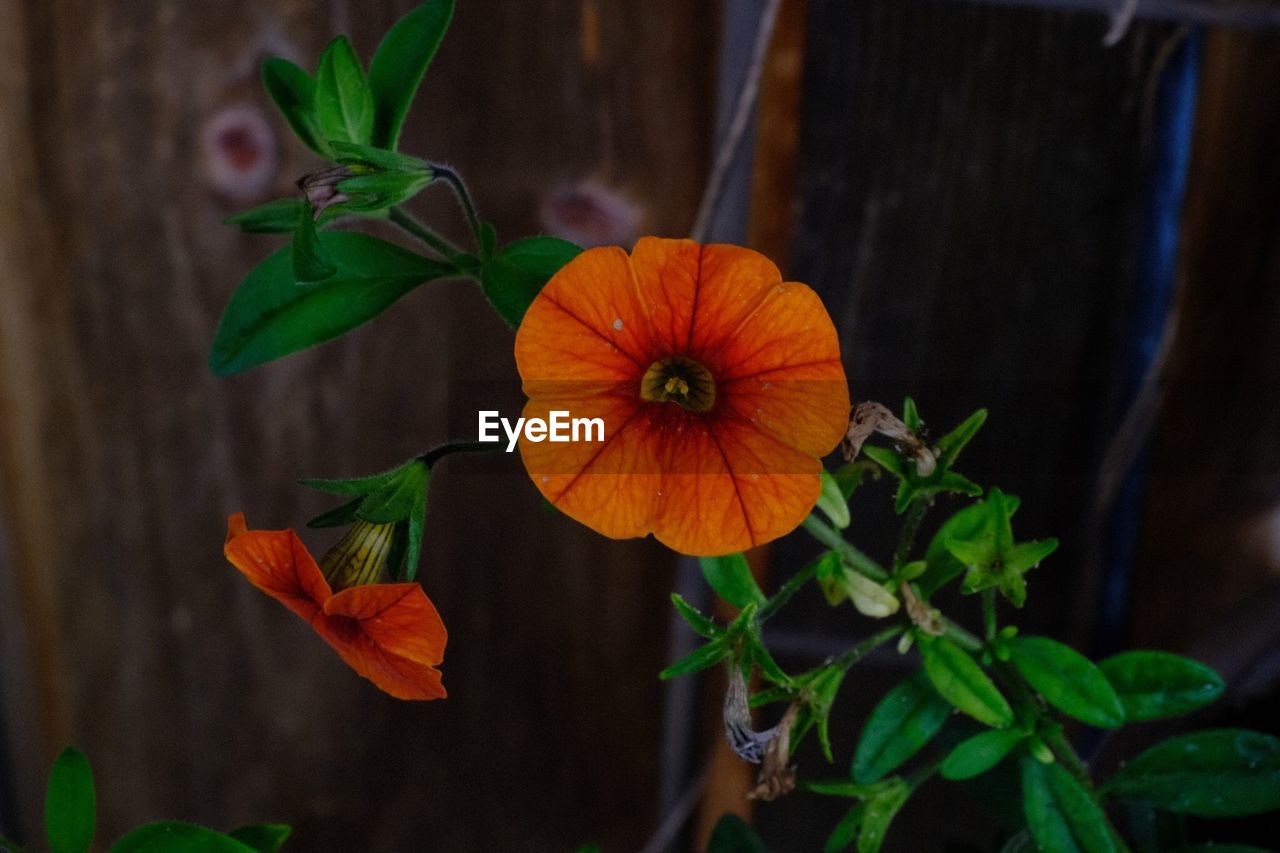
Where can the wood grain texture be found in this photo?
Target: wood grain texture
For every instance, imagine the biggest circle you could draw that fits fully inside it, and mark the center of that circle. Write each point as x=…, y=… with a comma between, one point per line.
x=1210, y=527
x=194, y=695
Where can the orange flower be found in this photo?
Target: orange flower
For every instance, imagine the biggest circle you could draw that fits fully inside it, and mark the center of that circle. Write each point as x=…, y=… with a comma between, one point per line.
x=720, y=387
x=390, y=633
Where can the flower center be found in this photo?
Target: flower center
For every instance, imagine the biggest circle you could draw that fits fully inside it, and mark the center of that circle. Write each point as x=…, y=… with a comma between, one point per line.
x=679, y=380
x=359, y=557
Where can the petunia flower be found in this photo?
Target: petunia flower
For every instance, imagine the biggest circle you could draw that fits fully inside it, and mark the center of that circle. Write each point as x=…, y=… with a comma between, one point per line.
x=720, y=387
x=390, y=633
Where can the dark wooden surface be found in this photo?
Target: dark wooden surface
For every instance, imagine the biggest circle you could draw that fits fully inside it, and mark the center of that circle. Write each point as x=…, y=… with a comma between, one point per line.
x=125, y=632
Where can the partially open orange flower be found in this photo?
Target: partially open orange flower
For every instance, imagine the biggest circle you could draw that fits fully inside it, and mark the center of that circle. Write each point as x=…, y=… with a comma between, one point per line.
x=390, y=633
x=720, y=387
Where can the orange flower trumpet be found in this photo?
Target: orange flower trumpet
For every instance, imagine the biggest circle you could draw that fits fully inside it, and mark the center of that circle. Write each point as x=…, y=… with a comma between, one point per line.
x=390, y=633
x=719, y=384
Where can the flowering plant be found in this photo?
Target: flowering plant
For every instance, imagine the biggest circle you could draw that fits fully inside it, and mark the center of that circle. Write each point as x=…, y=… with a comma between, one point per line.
x=720, y=389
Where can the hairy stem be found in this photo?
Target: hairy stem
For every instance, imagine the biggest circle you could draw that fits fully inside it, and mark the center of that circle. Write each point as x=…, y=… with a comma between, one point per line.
x=411, y=225
x=454, y=180
x=910, y=528
x=435, y=454
x=865, y=647
x=790, y=588
x=989, y=614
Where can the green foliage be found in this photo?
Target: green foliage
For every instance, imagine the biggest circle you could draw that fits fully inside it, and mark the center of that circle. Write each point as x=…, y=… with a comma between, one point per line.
x=263, y=837
x=398, y=65
x=1215, y=773
x=961, y=681
x=70, y=806
x=514, y=276
x=344, y=102
x=904, y=721
x=966, y=524
x=980, y=753
x=833, y=502
x=867, y=822
x=270, y=315
x=732, y=835
x=1068, y=680
x=699, y=623
x=176, y=837
x=311, y=260
x=731, y=578
x=1154, y=685
x=282, y=215
x=911, y=483
x=994, y=560
x=294, y=93
x=1063, y=817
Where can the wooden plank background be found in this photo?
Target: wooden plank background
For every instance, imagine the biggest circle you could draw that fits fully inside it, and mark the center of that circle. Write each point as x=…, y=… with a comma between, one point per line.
x=125, y=632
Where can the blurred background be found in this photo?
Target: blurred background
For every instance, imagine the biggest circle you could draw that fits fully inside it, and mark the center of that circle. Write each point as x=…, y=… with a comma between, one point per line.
x=998, y=209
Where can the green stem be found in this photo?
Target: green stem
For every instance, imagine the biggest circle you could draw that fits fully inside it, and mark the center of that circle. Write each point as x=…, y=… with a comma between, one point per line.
x=454, y=180
x=910, y=527
x=1070, y=759
x=989, y=613
x=435, y=454
x=790, y=588
x=410, y=224
x=960, y=636
x=867, y=646
x=828, y=536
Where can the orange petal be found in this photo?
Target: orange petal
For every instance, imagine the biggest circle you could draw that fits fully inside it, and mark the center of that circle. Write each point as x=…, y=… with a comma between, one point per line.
x=398, y=617
x=276, y=562
x=733, y=285
x=585, y=324
x=394, y=674
x=613, y=486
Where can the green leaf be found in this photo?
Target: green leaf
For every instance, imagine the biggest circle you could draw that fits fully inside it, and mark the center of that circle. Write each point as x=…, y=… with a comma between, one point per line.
x=353, y=485
x=1062, y=816
x=838, y=788
x=263, y=837
x=282, y=215
x=910, y=415
x=867, y=823
x=1068, y=680
x=398, y=65
x=1216, y=773
x=311, y=261
x=953, y=442
x=395, y=498
x=513, y=277
x=344, y=104
x=732, y=835
x=270, y=316
x=731, y=578
x=993, y=558
x=699, y=623
x=413, y=544
x=980, y=753
x=900, y=725
x=833, y=503
x=709, y=655
x=1152, y=685
x=294, y=93
x=177, y=837
x=70, y=808
x=965, y=524
x=962, y=682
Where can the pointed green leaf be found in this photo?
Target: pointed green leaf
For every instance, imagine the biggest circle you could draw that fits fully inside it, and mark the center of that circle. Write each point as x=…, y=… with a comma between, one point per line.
x=353, y=485
x=832, y=502
x=1152, y=685
x=270, y=316
x=413, y=540
x=699, y=623
x=1062, y=816
x=280, y=216
x=177, y=837
x=910, y=415
x=885, y=458
x=514, y=276
x=901, y=724
x=709, y=655
x=339, y=516
x=70, y=807
x=964, y=525
x=732, y=835
x=768, y=666
x=263, y=837
x=962, y=682
x=1216, y=773
x=953, y=442
x=867, y=823
x=396, y=69
x=311, y=261
x=838, y=788
x=1068, y=680
x=344, y=104
x=294, y=94
x=980, y=753
x=731, y=578
x=845, y=832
